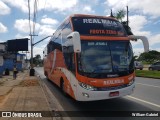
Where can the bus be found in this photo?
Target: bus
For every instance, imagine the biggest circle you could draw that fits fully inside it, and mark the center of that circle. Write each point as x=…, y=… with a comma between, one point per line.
x=90, y=58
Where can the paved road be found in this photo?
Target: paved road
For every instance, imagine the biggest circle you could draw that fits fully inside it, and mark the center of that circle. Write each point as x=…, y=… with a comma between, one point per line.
x=146, y=97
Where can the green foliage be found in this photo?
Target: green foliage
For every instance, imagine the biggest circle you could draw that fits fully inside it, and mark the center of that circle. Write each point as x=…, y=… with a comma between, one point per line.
x=135, y=58
x=37, y=60
x=150, y=57
x=120, y=15
x=146, y=73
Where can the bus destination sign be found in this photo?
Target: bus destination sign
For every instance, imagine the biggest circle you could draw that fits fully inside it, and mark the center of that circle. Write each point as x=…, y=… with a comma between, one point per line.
x=98, y=26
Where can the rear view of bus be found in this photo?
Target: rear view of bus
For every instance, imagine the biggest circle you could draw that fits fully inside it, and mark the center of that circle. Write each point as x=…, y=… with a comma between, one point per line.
x=95, y=60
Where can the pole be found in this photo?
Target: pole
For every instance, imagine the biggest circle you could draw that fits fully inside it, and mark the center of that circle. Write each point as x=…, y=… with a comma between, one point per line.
x=127, y=16
x=32, y=45
x=32, y=50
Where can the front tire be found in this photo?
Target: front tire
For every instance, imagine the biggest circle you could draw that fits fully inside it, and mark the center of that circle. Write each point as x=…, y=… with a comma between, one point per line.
x=62, y=86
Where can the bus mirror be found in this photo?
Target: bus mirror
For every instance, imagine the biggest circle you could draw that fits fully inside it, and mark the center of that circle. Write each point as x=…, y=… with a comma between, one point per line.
x=144, y=40
x=75, y=38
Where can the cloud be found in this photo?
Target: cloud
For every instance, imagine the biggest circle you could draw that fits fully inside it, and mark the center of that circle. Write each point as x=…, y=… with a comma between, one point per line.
x=21, y=4
x=22, y=25
x=49, y=5
x=56, y=6
x=3, y=29
x=59, y=5
x=18, y=36
x=116, y=4
x=1, y=41
x=4, y=8
x=38, y=50
x=137, y=23
x=46, y=30
x=49, y=21
x=154, y=39
x=82, y=8
x=138, y=51
x=88, y=9
x=148, y=7
x=157, y=22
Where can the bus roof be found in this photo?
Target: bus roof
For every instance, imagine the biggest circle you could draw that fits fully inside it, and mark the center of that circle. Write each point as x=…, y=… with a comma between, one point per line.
x=87, y=15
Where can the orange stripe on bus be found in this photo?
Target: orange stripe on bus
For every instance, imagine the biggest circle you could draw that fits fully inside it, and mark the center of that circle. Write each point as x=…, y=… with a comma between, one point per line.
x=101, y=82
x=102, y=38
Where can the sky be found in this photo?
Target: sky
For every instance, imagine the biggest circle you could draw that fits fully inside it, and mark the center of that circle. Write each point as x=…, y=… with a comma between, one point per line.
x=144, y=18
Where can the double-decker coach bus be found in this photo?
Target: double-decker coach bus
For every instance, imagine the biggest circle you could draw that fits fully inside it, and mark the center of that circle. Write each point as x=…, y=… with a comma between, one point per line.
x=90, y=58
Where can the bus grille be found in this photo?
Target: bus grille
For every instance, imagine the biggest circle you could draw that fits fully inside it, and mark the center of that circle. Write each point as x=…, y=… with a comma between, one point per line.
x=112, y=88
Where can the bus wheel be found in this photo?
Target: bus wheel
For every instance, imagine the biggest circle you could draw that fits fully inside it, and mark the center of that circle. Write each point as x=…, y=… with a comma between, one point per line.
x=62, y=86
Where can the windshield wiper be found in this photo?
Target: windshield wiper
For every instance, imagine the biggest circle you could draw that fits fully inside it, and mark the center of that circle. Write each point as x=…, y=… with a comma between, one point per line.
x=99, y=69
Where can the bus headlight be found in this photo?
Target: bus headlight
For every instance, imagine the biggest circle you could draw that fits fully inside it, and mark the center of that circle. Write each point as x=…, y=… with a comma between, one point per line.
x=87, y=87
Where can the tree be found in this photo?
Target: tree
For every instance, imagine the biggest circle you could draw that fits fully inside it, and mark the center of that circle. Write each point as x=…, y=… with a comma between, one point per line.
x=135, y=57
x=119, y=16
x=150, y=57
x=37, y=60
x=38, y=57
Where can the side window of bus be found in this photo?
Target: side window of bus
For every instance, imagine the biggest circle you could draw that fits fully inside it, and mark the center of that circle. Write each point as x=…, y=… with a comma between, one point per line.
x=69, y=58
x=49, y=47
x=66, y=31
x=57, y=43
x=56, y=40
x=68, y=50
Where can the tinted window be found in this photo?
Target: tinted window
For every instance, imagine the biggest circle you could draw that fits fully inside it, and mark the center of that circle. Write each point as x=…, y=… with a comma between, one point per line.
x=158, y=63
x=103, y=57
x=66, y=31
x=98, y=26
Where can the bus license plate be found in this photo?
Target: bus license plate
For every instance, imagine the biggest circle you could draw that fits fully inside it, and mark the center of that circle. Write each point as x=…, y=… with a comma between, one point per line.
x=112, y=94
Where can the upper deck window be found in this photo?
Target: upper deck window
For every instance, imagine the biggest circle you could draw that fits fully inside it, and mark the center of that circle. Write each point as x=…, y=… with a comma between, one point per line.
x=98, y=26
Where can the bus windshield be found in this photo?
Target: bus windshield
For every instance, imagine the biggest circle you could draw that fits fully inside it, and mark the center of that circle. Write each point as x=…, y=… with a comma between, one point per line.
x=98, y=57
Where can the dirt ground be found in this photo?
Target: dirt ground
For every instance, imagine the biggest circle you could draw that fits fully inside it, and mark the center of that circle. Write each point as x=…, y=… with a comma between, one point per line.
x=24, y=81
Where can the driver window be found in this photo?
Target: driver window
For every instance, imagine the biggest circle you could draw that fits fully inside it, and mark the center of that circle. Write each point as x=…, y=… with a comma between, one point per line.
x=69, y=58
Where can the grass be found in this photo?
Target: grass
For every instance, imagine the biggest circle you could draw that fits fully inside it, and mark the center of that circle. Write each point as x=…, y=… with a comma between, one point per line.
x=147, y=73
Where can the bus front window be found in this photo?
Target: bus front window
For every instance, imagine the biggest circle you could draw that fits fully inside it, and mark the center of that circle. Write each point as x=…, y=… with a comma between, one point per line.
x=103, y=57
x=95, y=57
x=121, y=55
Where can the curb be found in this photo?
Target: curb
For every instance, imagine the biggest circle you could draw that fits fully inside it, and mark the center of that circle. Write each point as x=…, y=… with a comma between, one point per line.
x=52, y=101
x=148, y=77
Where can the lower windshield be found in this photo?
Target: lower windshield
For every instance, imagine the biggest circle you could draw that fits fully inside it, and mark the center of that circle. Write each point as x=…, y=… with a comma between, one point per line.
x=105, y=57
